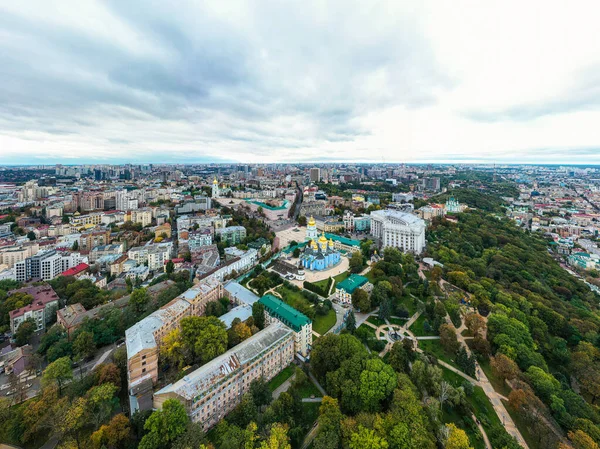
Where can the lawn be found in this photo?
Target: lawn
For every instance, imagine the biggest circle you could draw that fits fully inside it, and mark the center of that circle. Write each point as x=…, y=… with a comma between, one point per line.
x=435, y=348
x=409, y=303
x=417, y=327
x=284, y=375
x=376, y=321
x=340, y=277
x=398, y=321
x=309, y=389
x=322, y=323
x=293, y=298
x=456, y=380
x=322, y=284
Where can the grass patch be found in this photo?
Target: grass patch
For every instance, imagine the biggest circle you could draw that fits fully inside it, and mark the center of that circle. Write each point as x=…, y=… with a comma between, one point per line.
x=398, y=321
x=322, y=284
x=456, y=380
x=322, y=323
x=283, y=375
x=376, y=321
x=309, y=389
x=410, y=304
x=340, y=277
x=417, y=327
x=293, y=298
x=435, y=348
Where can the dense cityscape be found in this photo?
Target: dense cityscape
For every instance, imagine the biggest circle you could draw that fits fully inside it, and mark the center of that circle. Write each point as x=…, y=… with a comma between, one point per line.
x=299, y=305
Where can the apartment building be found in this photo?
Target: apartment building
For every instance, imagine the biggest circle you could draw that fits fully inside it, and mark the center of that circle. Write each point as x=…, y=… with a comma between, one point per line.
x=238, y=265
x=41, y=309
x=215, y=389
x=10, y=255
x=92, y=239
x=277, y=310
x=398, y=229
x=143, y=339
x=45, y=265
x=79, y=221
x=232, y=235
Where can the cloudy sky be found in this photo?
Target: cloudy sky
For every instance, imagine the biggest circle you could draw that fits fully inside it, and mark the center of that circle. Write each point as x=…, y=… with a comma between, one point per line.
x=281, y=81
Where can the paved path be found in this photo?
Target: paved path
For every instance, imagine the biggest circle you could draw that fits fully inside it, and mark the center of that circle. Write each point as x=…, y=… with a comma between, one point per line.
x=486, y=440
x=284, y=386
x=316, y=382
x=310, y=436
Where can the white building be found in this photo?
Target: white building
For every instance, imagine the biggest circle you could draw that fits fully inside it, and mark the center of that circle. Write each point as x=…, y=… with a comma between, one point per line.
x=398, y=229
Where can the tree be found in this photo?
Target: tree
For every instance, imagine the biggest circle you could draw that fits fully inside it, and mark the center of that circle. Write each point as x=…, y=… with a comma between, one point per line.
x=277, y=438
x=58, y=372
x=83, y=345
x=31, y=235
x=258, y=314
x=356, y=262
x=173, y=351
x=205, y=337
x=101, y=401
x=24, y=332
x=75, y=421
x=399, y=359
x=504, y=367
x=109, y=373
x=580, y=440
x=302, y=220
x=170, y=267
x=296, y=253
x=238, y=332
x=367, y=439
x=75, y=246
x=164, y=426
x=114, y=435
x=544, y=384
x=139, y=299
x=385, y=309
x=448, y=338
x=329, y=424
x=360, y=300
x=351, y=322
x=457, y=438
x=475, y=323
x=377, y=381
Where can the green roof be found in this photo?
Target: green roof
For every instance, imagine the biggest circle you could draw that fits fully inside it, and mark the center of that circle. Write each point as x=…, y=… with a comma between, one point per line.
x=352, y=283
x=284, y=312
x=343, y=240
x=266, y=206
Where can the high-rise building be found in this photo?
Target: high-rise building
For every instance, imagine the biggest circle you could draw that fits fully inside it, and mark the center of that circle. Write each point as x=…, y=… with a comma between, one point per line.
x=315, y=174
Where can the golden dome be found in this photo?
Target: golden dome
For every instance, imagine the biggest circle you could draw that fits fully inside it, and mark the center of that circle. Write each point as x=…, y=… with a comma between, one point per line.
x=215, y=182
x=313, y=244
x=312, y=221
x=323, y=239
x=331, y=243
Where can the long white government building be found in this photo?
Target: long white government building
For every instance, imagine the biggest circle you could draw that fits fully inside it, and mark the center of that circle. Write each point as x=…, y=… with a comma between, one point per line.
x=398, y=229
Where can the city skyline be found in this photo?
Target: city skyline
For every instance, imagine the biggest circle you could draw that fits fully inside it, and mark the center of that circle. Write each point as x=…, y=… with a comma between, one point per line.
x=117, y=82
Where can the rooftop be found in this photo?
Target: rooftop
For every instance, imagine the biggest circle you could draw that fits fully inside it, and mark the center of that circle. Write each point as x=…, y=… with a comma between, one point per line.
x=240, y=293
x=284, y=312
x=242, y=312
x=214, y=371
x=352, y=282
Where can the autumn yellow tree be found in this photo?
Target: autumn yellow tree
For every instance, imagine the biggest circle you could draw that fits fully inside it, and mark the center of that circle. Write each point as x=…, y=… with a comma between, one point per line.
x=457, y=438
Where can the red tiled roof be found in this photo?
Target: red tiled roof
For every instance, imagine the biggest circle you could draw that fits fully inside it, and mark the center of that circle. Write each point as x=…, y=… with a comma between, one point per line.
x=75, y=270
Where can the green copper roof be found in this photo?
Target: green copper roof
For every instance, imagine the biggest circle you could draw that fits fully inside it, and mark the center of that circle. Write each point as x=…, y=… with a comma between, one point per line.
x=344, y=240
x=266, y=206
x=284, y=312
x=352, y=283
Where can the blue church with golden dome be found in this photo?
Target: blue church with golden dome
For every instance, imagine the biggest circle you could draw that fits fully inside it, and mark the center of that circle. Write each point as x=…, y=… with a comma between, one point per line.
x=320, y=253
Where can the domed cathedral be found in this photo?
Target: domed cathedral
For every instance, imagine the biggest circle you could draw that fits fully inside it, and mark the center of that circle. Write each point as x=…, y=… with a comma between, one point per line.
x=319, y=254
